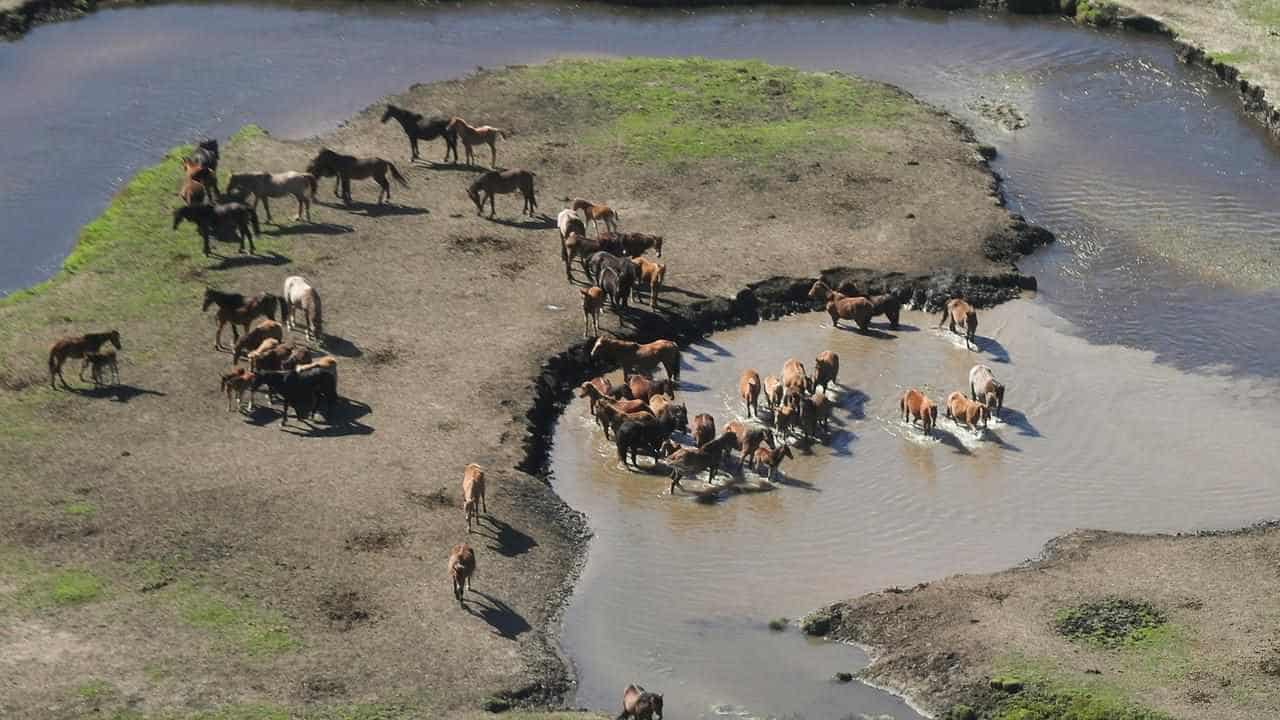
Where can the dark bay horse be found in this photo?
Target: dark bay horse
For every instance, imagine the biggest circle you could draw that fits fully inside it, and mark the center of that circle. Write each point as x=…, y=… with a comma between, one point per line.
x=500, y=183
x=237, y=310
x=418, y=128
x=206, y=156
x=228, y=222
x=77, y=346
x=345, y=168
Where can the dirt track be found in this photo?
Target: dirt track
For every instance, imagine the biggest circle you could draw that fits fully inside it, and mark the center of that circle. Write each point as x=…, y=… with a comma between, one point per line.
x=441, y=320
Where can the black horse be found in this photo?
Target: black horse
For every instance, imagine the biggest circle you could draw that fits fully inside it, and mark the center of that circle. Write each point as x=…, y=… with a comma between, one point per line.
x=418, y=128
x=228, y=222
x=206, y=156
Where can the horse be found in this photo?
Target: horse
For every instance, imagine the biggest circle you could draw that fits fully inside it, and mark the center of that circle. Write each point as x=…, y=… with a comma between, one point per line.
x=651, y=275
x=963, y=410
x=748, y=439
x=595, y=214
x=418, y=128
x=238, y=310
x=206, y=156
x=592, y=303
x=462, y=565
x=634, y=356
x=704, y=429
x=345, y=168
x=77, y=346
x=770, y=458
x=749, y=391
x=983, y=386
x=196, y=179
x=958, y=311
x=303, y=390
x=473, y=493
x=496, y=182
x=568, y=222
x=635, y=435
x=825, y=369
x=299, y=295
x=638, y=704
x=268, y=185
x=100, y=363
x=857, y=309
x=631, y=244
x=692, y=461
x=472, y=136
x=917, y=406
x=795, y=382
x=227, y=222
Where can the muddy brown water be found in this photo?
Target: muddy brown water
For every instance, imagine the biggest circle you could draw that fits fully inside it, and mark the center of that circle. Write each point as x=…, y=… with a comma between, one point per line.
x=1142, y=374
x=678, y=593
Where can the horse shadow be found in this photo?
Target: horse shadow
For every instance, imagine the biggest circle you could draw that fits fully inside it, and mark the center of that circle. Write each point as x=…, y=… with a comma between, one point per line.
x=375, y=210
x=505, y=621
x=679, y=291
x=229, y=262
x=902, y=327
x=340, y=346
x=781, y=478
x=993, y=347
x=1018, y=420
x=948, y=438
x=344, y=422
x=541, y=222
x=870, y=332
x=716, y=349
x=993, y=436
x=309, y=228
x=453, y=166
x=507, y=541
x=855, y=402
x=840, y=442
x=119, y=392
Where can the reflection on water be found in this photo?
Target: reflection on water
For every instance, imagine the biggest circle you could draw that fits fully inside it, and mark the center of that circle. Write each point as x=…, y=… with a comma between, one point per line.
x=677, y=594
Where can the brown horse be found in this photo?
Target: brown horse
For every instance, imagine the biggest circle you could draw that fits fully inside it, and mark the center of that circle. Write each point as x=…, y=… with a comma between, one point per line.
x=205, y=156
x=825, y=369
x=100, y=363
x=345, y=168
x=77, y=346
x=633, y=357
x=472, y=136
x=703, y=429
x=592, y=303
x=596, y=213
x=473, y=493
x=795, y=382
x=630, y=244
x=963, y=410
x=770, y=458
x=637, y=704
x=652, y=275
x=749, y=391
x=238, y=311
x=960, y=312
x=916, y=406
x=462, y=565
x=691, y=461
x=197, y=179
x=501, y=183
x=749, y=439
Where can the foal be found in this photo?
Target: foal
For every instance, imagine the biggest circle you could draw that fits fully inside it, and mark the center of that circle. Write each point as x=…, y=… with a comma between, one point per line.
x=77, y=347
x=471, y=136
x=101, y=362
x=596, y=214
x=197, y=178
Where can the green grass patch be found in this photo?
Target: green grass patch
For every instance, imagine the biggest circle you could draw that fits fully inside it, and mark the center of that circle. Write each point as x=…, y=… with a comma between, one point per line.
x=1070, y=704
x=242, y=625
x=1262, y=12
x=62, y=589
x=333, y=712
x=80, y=508
x=677, y=110
x=1236, y=57
x=1097, y=12
x=128, y=266
x=1111, y=622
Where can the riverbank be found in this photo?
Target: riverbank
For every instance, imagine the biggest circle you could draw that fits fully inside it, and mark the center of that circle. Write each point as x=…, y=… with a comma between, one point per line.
x=303, y=570
x=1103, y=625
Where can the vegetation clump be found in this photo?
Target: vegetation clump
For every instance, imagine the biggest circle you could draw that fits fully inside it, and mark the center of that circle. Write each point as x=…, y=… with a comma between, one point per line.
x=1110, y=623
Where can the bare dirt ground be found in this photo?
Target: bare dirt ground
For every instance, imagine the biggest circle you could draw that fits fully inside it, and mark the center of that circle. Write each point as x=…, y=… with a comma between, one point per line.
x=232, y=564
x=1217, y=656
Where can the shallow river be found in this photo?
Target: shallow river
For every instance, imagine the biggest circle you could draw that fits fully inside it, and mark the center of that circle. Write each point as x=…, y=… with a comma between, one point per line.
x=1141, y=376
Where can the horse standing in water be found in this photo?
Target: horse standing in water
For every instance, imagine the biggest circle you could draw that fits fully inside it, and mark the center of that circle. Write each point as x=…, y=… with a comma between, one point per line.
x=418, y=128
x=345, y=168
x=77, y=346
x=960, y=312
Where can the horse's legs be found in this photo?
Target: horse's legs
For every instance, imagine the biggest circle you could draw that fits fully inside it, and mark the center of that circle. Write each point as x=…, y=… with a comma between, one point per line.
x=266, y=205
x=492, y=208
x=337, y=183
x=493, y=153
x=386, y=188
x=413, y=147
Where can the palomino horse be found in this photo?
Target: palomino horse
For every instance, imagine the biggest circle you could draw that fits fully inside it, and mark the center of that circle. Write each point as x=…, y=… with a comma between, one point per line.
x=568, y=222
x=197, y=179
x=237, y=310
x=77, y=346
x=960, y=312
x=501, y=183
x=228, y=222
x=299, y=295
x=268, y=185
x=596, y=214
x=418, y=128
x=345, y=168
x=472, y=136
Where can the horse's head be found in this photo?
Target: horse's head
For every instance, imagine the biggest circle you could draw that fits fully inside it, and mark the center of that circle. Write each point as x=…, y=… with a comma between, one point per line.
x=657, y=245
x=269, y=304
x=819, y=291
x=652, y=702
x=390, y=112
x=114, y=338
x=595, y=349
x=473, y=192
x=210, y=146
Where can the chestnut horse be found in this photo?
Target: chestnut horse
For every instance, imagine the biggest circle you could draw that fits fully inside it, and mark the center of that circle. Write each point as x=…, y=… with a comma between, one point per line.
x=916, y=406
x=77, y=346
x=462, y=565
x=197, y=179
x=960, y=312
x=749, y=391
x=472, y=136
x=963, y=410
x=237, y=310
x=595, y=214
x=634, y=357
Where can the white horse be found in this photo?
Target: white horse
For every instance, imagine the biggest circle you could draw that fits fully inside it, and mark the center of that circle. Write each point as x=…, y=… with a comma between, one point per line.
x=298, y=294
x=267, y=185
x=984, y=387
x=568, y=222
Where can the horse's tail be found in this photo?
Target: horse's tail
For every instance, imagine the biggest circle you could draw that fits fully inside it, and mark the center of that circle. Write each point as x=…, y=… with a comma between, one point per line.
x=396, y=174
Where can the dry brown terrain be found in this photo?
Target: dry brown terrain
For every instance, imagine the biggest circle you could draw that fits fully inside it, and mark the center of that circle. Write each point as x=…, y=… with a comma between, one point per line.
x=158, y=552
